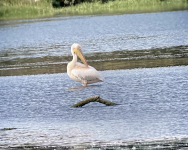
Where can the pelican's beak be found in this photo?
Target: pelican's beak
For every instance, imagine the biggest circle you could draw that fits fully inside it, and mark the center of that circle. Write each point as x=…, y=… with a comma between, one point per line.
x=81, y=56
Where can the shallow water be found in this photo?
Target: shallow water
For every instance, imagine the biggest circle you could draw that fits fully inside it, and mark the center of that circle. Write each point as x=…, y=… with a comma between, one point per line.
x=153, y=104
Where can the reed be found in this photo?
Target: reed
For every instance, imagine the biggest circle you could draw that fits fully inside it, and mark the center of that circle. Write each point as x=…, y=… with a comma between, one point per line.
x=11, y=9
x=129, y=6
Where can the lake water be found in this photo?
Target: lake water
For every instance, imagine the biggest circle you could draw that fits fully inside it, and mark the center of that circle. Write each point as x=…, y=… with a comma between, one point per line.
x=38, y=46
x=153, y=105
x=35, y=105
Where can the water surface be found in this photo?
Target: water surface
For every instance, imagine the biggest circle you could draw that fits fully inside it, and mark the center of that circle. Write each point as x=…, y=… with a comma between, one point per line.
x=35, y=105
x=45, y=43
x=153, y=104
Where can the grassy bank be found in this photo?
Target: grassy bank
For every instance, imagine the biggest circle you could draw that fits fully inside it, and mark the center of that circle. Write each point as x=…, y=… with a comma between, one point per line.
x=17, y=9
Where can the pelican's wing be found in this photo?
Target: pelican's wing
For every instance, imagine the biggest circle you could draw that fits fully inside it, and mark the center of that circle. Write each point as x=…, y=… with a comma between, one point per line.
x=84, y=73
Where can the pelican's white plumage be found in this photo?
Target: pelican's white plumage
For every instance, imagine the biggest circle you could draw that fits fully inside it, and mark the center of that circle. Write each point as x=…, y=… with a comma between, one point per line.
x=82, y=72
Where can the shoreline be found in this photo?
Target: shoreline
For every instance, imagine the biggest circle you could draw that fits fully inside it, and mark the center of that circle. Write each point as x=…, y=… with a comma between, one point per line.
x=42, y=8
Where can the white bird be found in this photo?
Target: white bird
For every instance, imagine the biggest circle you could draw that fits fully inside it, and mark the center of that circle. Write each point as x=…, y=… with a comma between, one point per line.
x=82, y=72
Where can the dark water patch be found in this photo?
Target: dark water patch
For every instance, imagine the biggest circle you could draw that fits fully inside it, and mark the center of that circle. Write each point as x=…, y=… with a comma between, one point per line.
x=165, y=144
x=124, y=59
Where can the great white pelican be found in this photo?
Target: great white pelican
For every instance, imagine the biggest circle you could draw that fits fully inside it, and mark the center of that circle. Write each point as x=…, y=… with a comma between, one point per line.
x=82, y=72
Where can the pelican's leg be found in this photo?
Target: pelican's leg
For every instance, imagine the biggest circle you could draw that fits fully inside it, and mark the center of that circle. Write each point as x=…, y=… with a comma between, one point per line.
x=84, y=84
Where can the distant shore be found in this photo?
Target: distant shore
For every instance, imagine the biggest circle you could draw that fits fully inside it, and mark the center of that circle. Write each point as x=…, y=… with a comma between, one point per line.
x=17, y=9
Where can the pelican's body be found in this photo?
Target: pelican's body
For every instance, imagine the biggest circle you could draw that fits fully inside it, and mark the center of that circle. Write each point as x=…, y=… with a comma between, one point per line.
x=81, y=72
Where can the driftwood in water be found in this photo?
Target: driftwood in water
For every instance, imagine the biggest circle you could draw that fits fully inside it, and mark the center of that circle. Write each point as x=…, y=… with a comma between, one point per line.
x=4, y=129
x=94, y=99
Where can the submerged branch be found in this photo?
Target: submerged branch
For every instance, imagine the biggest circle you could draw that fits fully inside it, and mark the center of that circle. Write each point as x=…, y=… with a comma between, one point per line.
x=94, y=99
x=5, y=129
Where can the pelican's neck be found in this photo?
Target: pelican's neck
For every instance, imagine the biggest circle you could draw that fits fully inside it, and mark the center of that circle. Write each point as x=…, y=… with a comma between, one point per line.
x=72, y=64
x=74, y=60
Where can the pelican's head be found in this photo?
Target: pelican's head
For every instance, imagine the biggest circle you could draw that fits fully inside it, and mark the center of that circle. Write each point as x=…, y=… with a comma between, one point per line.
x=76, y=49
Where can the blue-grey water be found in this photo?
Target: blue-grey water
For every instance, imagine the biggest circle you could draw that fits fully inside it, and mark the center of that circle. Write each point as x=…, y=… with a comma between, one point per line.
x=153, y=104
x=35, y=110
x=54, y=36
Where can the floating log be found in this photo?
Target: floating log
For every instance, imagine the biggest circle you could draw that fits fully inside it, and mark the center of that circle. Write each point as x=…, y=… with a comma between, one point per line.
x=4, y=129
x=94, y=99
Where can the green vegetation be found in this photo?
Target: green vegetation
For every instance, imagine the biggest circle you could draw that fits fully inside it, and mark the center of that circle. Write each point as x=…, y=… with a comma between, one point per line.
x=63, y=3
x=13, y=9
x=10, y=9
